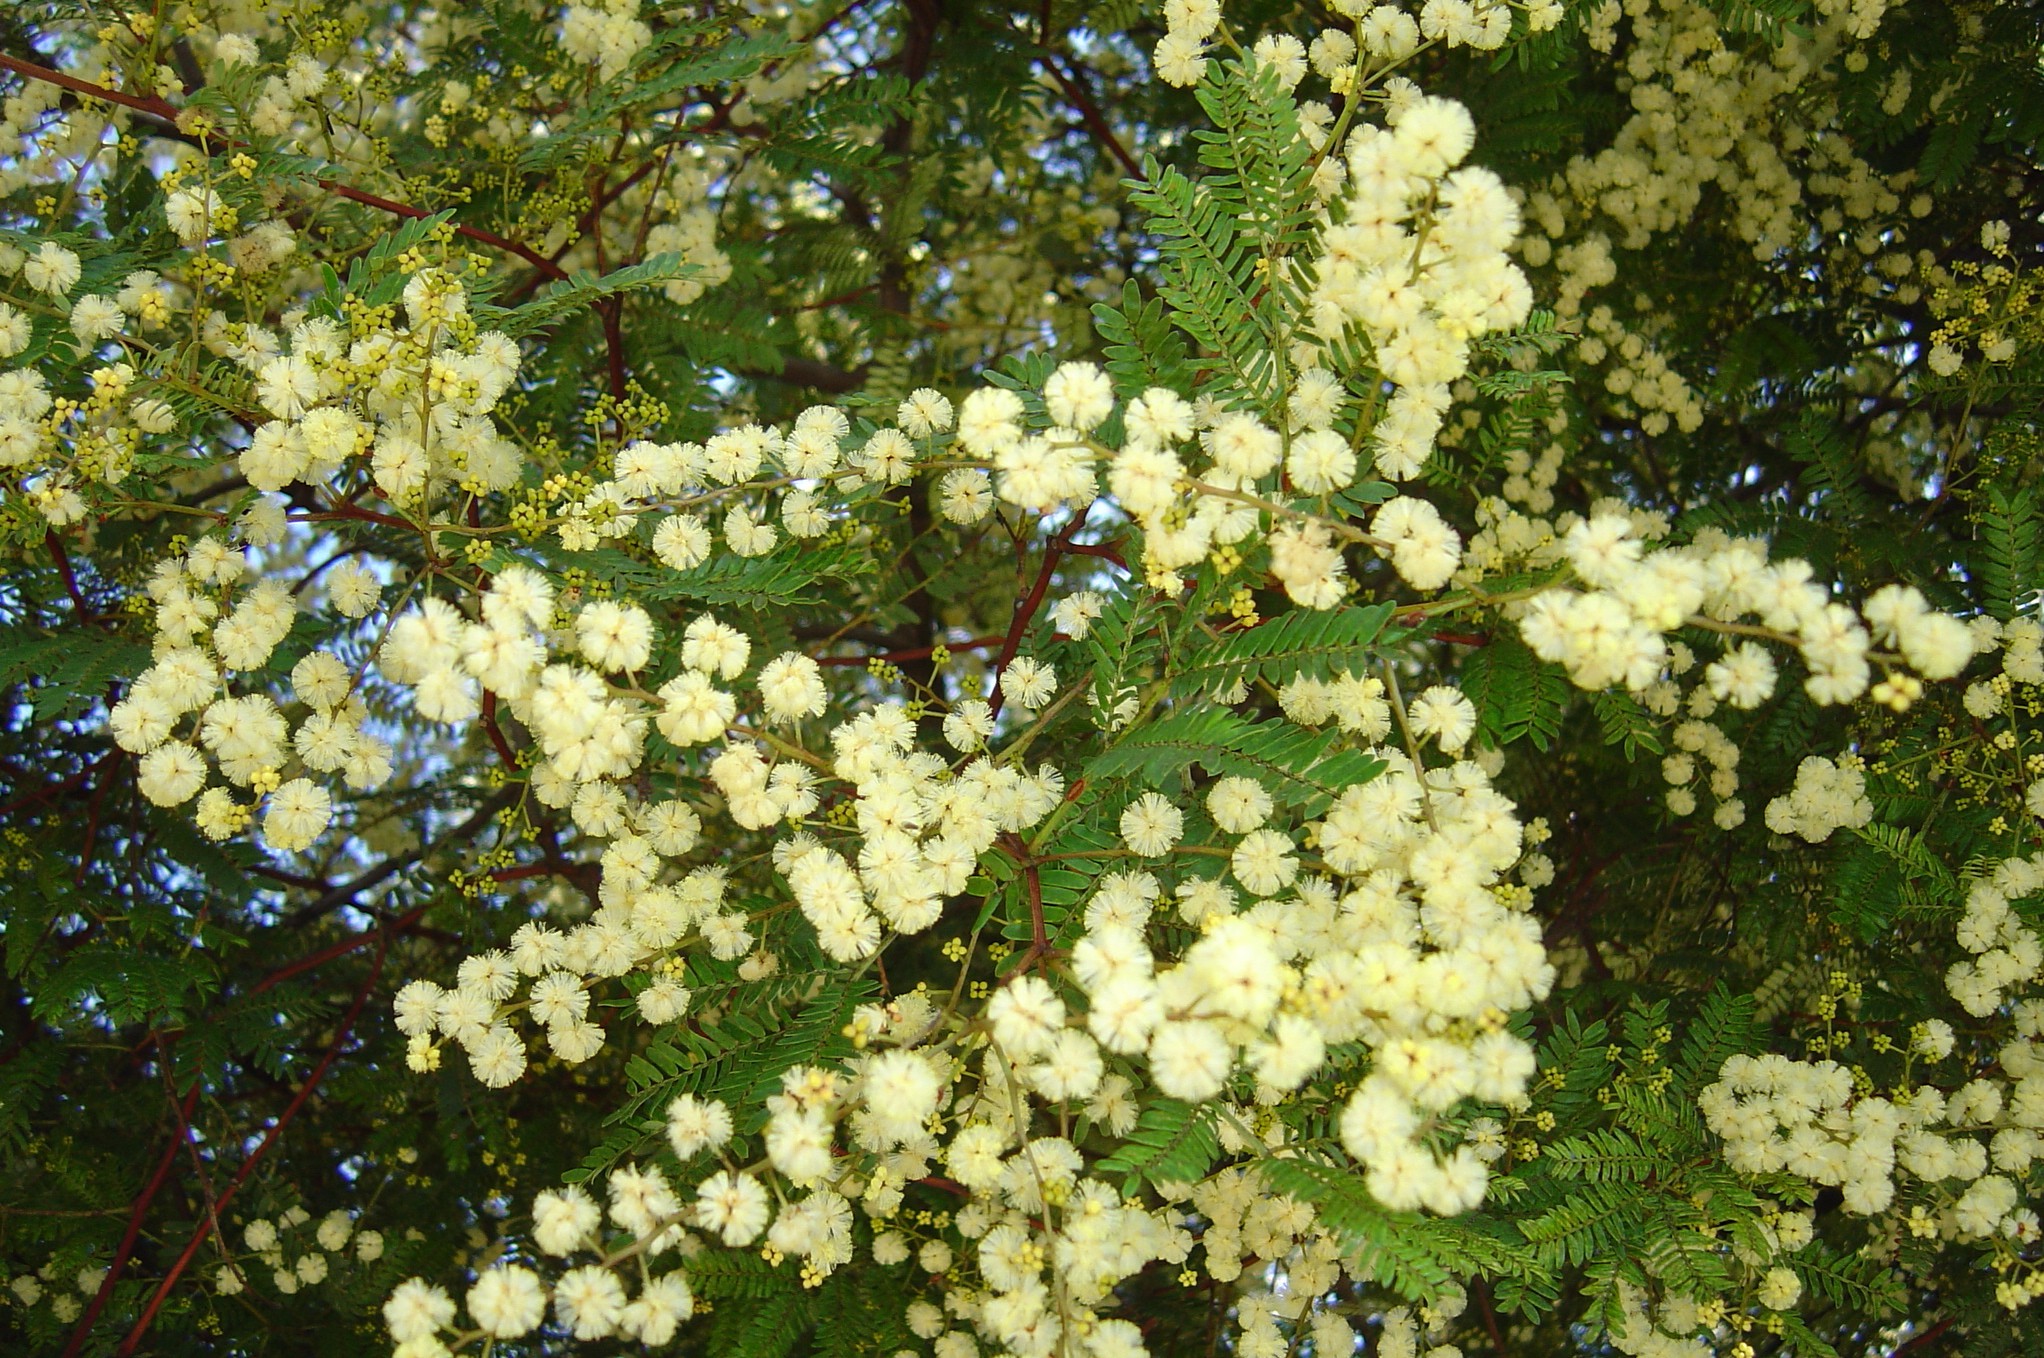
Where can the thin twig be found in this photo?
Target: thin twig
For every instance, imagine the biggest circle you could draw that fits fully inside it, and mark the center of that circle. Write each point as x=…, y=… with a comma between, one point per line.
x=100, y=785
x=1026, y=609
x=126, y=1248
x=1090, y=114
x=1419, y=768
x=49, y=790
x=1928, y=1336
x=204, y=1228
x=185, y=1134
x=382, y=872
x=70, y=577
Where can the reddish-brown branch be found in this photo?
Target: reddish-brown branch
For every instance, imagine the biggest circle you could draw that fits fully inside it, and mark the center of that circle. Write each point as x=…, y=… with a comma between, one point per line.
x=191, y=1142
x=496, y=733
x=322, y=956
x=1929, y=1336
x=1490, y=1316
x=49, y=790
x=156, y=108
x=1105, y=551
x=1026, y=609
x=553, y=865
x=593, y=214
x=1090, y=114
x=348, y=510
x=474, y=233
x=1039, y=933
x=612, y=310
x=491, y=727
x=100, y=785
x=163, y=112
x=1040, y=950
x=839, y=299
x=70, y=577
x=297, y=879
x=382, y=872
x=347, y=891
x=524, y=872
x=83, y=1330
x=270, y=1139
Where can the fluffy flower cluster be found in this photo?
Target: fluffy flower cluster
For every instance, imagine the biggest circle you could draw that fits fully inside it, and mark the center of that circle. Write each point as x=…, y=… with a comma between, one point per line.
x=1384, y=919
x=1378, y=38
x=591, y=1300
x=1712, y=124
x=184, y=720
x=1826, y=797
x=921, y=834
x=1417, y=263
x=2005, y=953
x=921, y=825
x=293, y=1261
x=65, y=1294
x=1413, y=264
x=54, y=453
x=1613, y=633
x=733, y=471
x=1970, y=1146
x=414, y=402
x=609, y=34
x=1410, y=948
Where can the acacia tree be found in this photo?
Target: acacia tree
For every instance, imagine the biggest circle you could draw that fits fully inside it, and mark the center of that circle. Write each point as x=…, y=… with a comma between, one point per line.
x=1050, y=678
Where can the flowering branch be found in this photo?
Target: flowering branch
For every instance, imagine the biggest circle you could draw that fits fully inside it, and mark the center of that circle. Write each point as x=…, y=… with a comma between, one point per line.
x=166, y=113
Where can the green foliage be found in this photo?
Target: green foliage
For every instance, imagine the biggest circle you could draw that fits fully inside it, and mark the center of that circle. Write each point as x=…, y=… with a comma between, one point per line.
x=1626, y=724
x=784, y=578
x=1211, y=284
x=1300, y=644
x=1260, y=164
x=2008, y=533
x=580, y=290
x=1415, y=1256
x=1769, y=20
x=737, y=1056
x=1891, y=870
x=1723, y=1027
x=1602, y=1155
x=1224, y=288
x=1855, y=1281
x=64, y=672
x=1517, y=695
x=1123, y=645
x=859, y=1315
x=1172, y=1142
x=1142, y=350
x=1829, y=470
x=373, y=276
x=1304, y=768
x=764, y=1328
